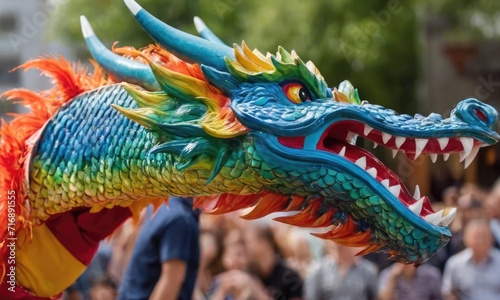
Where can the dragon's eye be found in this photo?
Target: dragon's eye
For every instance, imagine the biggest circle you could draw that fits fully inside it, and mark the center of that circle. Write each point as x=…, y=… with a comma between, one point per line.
x=296, y=92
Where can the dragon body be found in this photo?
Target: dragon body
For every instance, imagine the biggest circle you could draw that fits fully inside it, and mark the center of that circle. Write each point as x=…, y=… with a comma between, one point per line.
x=230, y=126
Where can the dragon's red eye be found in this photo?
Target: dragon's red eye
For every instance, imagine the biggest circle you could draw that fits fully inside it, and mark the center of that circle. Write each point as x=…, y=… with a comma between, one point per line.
x=296, y=92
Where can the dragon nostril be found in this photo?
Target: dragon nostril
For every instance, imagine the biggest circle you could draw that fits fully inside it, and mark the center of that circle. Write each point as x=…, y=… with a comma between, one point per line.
x=475, y=112
x=481, y=115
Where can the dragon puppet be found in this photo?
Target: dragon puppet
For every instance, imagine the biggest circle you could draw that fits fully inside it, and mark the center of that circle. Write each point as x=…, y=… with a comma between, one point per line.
x=234, y=128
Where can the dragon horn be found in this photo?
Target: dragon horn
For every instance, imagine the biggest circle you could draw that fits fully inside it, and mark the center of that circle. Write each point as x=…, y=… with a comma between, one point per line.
x=183, y=45
x=205, y=32
x=120, y=68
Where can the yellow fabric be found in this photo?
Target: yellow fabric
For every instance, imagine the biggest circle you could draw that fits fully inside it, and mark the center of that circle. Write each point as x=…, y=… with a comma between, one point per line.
x=43, y=265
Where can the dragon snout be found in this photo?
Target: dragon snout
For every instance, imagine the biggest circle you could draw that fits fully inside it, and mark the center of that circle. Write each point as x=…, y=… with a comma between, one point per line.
x=475, y=112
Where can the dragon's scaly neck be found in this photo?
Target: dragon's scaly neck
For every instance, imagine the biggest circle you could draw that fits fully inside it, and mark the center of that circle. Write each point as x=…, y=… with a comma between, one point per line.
x=74, y=169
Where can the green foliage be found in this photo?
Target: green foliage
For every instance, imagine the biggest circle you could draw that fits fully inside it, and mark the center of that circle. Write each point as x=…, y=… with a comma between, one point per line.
x=469, y=21
x=371, y=43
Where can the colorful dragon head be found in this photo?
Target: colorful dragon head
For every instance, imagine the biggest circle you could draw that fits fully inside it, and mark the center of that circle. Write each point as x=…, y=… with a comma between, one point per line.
x=269, y=125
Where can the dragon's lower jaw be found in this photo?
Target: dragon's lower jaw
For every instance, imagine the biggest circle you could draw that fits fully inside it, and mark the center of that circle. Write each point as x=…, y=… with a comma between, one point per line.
x=370, y=164
x=363, y=202
x=340, y=139
x=359, y=200
x=425, y=231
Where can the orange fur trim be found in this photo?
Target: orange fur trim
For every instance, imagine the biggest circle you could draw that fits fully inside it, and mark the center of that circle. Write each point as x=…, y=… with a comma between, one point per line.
x=221, y=122
x=160, y=56
x=69, y=80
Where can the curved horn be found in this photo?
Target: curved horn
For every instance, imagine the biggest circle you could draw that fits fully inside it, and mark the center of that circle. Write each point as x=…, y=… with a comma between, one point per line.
x=183, y=45
x=119, y=67
x=205, y=32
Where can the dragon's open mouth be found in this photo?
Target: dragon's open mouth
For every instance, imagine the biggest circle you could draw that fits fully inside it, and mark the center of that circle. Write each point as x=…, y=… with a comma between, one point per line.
x=367, y=203
x=340, y=138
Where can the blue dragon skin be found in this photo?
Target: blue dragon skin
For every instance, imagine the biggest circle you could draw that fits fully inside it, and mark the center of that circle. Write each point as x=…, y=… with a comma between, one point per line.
x=230, y=126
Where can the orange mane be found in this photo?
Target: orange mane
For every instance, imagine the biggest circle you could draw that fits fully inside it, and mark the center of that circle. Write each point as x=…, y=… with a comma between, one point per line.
x=68, y=81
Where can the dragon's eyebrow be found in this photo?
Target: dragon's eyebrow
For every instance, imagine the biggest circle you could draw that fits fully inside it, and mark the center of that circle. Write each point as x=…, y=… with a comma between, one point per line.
x=253, y=66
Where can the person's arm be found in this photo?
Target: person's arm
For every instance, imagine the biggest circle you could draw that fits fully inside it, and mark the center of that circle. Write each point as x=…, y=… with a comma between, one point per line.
x=312, y=288
x=172, y=277
x=177, y=246
x=436, y=283
x=447, y=284
x=239, y=285
x=372, y=274
x=388, y=282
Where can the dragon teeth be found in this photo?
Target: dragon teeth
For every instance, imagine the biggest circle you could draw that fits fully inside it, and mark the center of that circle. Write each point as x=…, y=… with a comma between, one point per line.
x=467, y=144
x=400, y=141
x=434, y=157
x=395, y=190
x=367, y=130
x=386, y=137
x=385, y=183
x=416, y=207
x=372, y=172
x=342, y=152
x=443, y=142
x=416, y=194
x=351, y=138
x=375, y=145
x=462, y=156
x=446, y=156
x=394, y=153
x=434, y=218
x=419, y=146
x=470, y=158
x=361, y=162
x=449, y=217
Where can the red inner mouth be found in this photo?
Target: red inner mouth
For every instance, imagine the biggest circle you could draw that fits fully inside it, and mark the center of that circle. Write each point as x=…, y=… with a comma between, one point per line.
x=406, y=144
x=336, y=139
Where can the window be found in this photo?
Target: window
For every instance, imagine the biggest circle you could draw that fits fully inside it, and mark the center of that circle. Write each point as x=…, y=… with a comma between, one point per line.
x=8, y=23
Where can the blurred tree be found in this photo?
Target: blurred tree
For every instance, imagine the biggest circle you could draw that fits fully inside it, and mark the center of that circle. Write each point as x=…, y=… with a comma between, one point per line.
x=112, y=20
x=371, y=43
x=469, y=21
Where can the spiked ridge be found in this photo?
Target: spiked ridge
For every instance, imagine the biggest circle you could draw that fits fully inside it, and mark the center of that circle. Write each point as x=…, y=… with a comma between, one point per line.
x=233, y=128
x=183, y=81
x=254, y=66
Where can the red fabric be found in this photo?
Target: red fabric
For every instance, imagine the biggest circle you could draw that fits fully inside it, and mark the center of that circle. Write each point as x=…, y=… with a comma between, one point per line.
x=69, y=80
x=20, y=293
x=80, y=231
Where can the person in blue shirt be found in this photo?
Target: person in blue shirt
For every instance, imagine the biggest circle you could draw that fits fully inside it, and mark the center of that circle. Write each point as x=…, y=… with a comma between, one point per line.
x=165, y=259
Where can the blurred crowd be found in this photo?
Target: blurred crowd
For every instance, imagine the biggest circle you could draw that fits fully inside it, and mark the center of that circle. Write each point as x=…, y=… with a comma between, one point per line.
x=262, y=259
